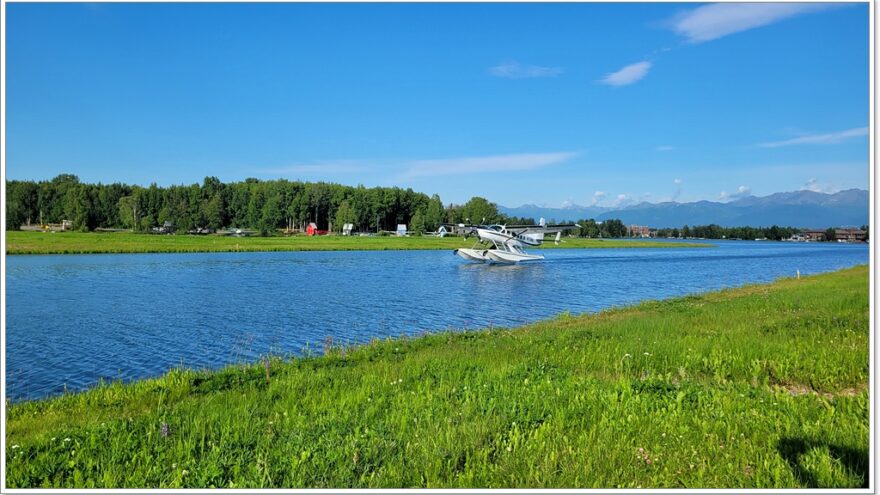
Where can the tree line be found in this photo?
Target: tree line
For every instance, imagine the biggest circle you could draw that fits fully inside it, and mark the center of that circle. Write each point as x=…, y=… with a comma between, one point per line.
x=254, y=204
x=713, y=231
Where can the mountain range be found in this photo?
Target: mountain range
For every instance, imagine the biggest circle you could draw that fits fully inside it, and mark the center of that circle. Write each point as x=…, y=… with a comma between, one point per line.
x=805, y=209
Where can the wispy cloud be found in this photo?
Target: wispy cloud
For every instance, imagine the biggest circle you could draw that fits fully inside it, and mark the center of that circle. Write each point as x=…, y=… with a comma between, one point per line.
x=829, y=138
x=677, y=192
x=741, y=192
x=597, y=197
x=717, y=20
x=664, y=148
x=318, y=168
x=813, y=185
x=515, y=70
x=627, y=75
x=474, y=165
x=622, y=200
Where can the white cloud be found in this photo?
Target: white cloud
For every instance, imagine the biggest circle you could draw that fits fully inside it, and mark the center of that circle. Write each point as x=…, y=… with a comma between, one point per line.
x=813, y=185
x=318, y=168
x=515, y=70
x=630, y=74
x=664, y=148
x=622, y=200
x=597, y=196
x=717, y=20
x=473, y=165
x=829, y=138
x=741, y=192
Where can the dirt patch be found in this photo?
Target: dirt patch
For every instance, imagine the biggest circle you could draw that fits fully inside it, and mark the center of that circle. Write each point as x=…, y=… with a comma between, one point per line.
x=796, y=389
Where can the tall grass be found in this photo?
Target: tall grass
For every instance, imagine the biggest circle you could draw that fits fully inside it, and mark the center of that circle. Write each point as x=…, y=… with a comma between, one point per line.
x=762, y=386
x=83, y=243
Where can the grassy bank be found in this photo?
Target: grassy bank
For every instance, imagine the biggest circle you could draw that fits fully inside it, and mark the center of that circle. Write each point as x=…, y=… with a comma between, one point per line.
x=762, y=386
x=81, y=243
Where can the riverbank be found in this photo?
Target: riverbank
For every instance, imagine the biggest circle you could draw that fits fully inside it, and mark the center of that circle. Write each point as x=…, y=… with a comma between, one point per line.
x=94, y=243
x=761, y=386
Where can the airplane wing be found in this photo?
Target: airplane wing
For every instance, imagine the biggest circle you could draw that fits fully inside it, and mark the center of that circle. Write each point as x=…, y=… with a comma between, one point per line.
x=537, y=229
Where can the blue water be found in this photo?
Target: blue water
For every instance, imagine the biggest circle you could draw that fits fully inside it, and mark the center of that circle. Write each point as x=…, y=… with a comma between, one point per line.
x=75, y=319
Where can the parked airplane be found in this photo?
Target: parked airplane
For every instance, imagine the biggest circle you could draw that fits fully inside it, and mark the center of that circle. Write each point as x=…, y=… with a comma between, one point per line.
x=507, y=242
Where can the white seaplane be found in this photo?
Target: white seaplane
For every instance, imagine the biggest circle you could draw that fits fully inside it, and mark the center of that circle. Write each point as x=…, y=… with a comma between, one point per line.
x=506, y=242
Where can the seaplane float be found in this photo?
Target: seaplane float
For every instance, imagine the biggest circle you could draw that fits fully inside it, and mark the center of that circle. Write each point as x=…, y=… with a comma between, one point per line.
x=506, y=243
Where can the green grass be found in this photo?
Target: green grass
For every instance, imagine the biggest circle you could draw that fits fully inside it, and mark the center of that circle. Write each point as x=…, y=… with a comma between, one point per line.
x=82, y=243
x=762, y=386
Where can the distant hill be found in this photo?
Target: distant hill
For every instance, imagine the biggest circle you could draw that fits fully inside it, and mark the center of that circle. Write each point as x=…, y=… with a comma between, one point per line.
x=797, y=209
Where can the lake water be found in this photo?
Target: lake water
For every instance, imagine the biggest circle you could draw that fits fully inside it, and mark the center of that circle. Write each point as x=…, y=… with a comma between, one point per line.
x=74, y=319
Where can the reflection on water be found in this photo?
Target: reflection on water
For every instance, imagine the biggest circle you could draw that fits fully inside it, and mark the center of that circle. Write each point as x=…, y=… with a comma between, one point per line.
x=74, y=319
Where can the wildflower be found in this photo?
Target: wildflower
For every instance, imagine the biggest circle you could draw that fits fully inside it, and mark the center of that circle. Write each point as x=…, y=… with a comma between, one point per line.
x=14, y=446
x=174, y=466
x=647, y=354
x=53, y=439
x=509, y=448
x=165, y=430
x=627, y=355
x=67, y=439
x=184, y=472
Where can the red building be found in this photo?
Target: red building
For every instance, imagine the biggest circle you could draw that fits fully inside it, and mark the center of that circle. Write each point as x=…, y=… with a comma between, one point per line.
x=312, y=229
x=639, y=231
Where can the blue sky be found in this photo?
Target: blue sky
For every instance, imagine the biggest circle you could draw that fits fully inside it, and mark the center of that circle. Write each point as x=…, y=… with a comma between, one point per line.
x=602, y=104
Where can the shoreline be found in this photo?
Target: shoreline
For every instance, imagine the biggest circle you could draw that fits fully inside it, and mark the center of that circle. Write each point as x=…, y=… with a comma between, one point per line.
x=38, y=243
x=747, y=352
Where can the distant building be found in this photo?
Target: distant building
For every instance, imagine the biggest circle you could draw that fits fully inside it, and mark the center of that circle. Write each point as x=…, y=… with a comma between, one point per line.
x=849, y=235
x=639, y=231
x=401, y=229
x=814, y=235
x=165, y=228
x=312, y=229
x=347, y=228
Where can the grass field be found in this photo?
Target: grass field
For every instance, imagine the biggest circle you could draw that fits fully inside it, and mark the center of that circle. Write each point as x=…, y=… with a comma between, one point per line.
x=762, y=386
x=82, y=243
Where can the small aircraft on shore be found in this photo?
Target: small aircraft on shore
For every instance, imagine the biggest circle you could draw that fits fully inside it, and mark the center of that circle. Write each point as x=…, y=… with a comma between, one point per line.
x=507, y=241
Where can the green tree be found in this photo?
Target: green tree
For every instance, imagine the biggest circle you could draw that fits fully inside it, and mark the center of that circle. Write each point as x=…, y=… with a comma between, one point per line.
x=344, y=214
x=417, y=223
x=480, y=211
x=128, y=212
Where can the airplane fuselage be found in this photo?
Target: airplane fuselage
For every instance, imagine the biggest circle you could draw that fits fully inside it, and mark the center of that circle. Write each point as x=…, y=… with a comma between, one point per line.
x=509, y=239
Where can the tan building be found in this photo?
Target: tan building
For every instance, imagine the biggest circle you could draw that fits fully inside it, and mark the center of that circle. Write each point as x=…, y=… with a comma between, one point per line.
x=850, y=235
x=814, y=235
